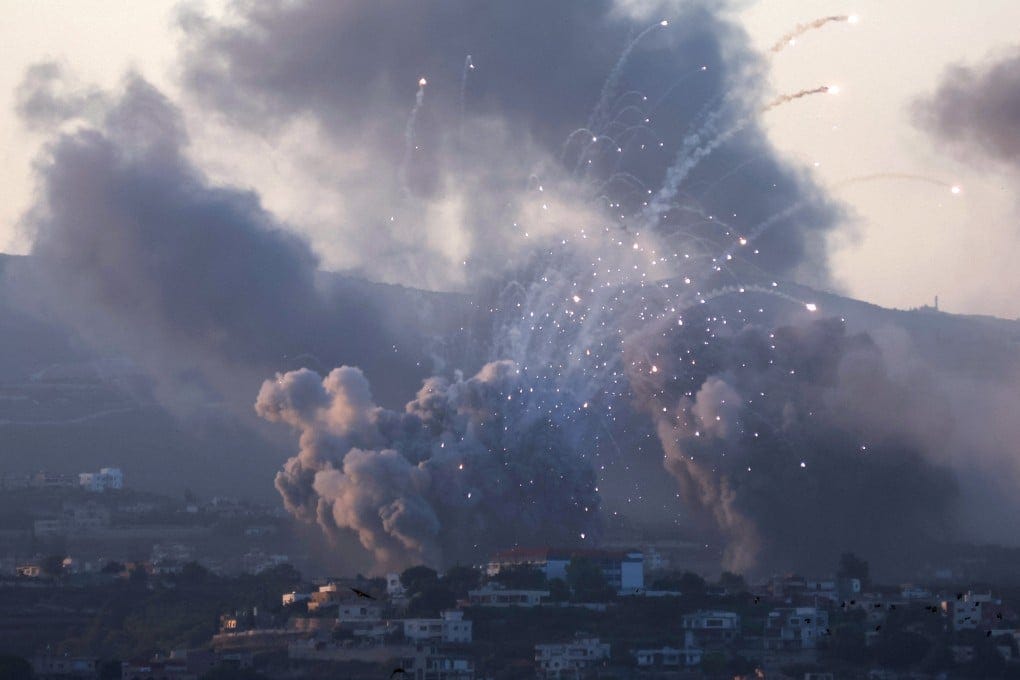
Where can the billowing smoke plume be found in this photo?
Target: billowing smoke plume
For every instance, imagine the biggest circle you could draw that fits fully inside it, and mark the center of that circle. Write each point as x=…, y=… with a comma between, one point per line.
x=494, y=187
x=488, y=146
x=469, y=465
x=785, y=442
x=976, y=109
x=139, y=250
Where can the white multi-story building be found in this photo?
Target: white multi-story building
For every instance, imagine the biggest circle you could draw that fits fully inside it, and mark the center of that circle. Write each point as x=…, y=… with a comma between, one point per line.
x=359, y=611
x=106, y=478
x=450, y=628
x=965, y=610
x=394, y=588
x=294, y=597
x=795, y=627
x=492, y=595
x=664, y=657
x=712, y=625
x=568, y=660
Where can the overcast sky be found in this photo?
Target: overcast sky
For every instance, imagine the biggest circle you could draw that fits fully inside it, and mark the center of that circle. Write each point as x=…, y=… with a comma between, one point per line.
x=907, y=241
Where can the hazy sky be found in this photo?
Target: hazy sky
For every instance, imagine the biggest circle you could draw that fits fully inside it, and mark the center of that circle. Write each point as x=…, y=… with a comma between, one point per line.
x=908, y=242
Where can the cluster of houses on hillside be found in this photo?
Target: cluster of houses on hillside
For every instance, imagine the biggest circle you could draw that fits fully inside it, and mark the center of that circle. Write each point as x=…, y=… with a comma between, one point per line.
x=782, y=621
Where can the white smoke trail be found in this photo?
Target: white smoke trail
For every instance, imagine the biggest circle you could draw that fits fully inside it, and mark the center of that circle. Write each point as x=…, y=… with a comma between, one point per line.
x=954, y=188
x=409, y=146
x=800, y=29
x=469, y=66
x=598, y=115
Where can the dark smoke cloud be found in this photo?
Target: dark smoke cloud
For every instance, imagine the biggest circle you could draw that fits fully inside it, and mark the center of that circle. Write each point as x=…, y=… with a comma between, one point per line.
x=48, y=95
x=540, y=68
x=976, y=109
x=796, y=443
x=140, y=249
x=200, y=276
x=469, y=466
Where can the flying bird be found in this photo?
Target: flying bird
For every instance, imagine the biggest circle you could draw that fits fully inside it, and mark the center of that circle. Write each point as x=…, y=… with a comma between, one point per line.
x=362, y=593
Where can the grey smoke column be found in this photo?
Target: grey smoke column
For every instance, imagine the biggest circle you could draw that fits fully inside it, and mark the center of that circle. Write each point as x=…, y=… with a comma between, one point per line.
x=773, y=438
x=469, y=465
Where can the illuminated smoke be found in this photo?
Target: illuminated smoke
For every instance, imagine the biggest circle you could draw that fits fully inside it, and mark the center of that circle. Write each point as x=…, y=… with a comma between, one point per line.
x=409, y=142
x=469, y=466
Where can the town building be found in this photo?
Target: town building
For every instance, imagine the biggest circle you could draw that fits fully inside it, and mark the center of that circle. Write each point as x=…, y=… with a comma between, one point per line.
x=966, y=611
x=795, y=627
x=664, y=657
x=357, y=611
x=712, y=626
x=624, y=570
x=107, y=478
x=493, y=595
x=570, y=659
x=450, y=628
x=62, y=666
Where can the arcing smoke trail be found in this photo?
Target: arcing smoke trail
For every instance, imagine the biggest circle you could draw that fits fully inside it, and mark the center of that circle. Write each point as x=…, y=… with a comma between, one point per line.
x=786, y=98
x=419, y=99
x=899, y=175
x=800, y=29
x=598, y=115
x=690, y=155
x=469, y=66
x=468, y=466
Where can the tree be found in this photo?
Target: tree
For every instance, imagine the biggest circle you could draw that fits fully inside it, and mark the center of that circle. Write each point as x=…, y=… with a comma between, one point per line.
x=691, y=584
x=15, y=668
x=232, y=672
x=587, y=581
x=108, y=670
x=461, y=579
x=733, y=583
x=901, y=649
x=138, y=574
x=713, y=662
x=52, y=566
x=987, y=663
x=112, y=567
x=431, y=599
x=851, y=566
x=193, y=574
x=521, y=576
x=415, y=579
x=559, y=591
